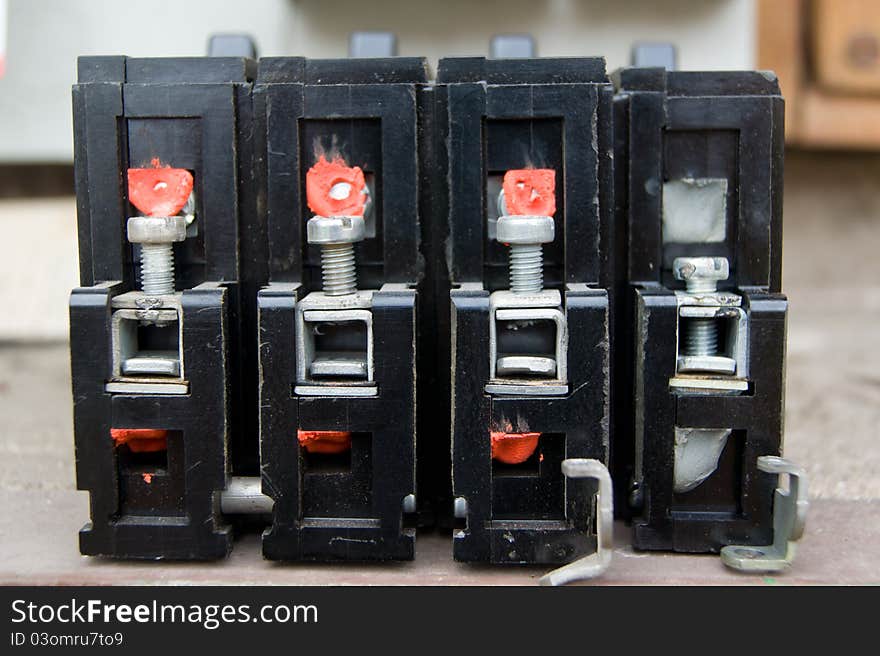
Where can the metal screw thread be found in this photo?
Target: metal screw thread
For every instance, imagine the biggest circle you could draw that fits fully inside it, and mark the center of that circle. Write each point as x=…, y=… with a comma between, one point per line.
x=700, y=286
x=701, y=337
x=526, y=268
x=157, y=269
x=338, y=270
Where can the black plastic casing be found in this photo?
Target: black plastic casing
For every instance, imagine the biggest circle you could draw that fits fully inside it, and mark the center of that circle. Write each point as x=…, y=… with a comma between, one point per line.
x=668, y=126
x=500, y=115
x=192, y=114
x=368, y=112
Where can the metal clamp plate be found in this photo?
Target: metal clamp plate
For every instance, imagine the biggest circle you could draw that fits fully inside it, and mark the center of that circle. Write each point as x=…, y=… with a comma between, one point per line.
x=723, y=371
x=332, y=372
x=525, y=374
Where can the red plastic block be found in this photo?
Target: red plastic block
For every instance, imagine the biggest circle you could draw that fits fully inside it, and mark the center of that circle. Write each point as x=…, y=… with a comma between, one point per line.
x=324, y=441
x=141, y=440
x=530, y=192
x=159, y=191
x=513, y=448
x=334, y=189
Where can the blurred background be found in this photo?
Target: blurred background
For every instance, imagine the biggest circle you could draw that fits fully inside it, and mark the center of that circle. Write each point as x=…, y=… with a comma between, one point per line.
x=827, y=55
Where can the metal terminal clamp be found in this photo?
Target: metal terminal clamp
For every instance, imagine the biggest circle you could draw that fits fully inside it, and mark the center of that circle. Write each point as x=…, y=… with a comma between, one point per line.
x=346, y=367
x=529, y=373
x=596, y=563
x=711, y=358
x=147, y=345
x=528, y=333
x=789, y=520
x=707, y=357
x=334, y=327
x=147, y=325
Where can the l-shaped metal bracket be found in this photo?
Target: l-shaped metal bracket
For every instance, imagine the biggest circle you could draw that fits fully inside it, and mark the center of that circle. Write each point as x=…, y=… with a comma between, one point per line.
x=595, y=563
x=789, y=518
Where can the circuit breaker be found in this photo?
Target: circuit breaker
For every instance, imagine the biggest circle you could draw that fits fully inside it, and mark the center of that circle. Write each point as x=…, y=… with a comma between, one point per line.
x=292, y=268
x=528, y=205
x=703, y=317
x=156, y=328
x=339, y=168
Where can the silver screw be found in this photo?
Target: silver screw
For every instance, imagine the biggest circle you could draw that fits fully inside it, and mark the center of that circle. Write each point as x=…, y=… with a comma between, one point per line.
x=156, y=234
x=701, y=276
x=526, y=268
x=525, y=236
x=336, y=235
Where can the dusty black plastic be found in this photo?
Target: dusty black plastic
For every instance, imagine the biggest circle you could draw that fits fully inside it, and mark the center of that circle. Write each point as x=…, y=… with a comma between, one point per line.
x=367, y=111
x=670, y=125
x=150, y=521
x=492, y=116
x=193, y=114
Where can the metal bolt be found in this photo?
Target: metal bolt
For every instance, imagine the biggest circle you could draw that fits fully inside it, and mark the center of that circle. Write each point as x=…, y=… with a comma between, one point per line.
x=336, y=235
x=525, y=234
x=156, y=234
x=701, y=276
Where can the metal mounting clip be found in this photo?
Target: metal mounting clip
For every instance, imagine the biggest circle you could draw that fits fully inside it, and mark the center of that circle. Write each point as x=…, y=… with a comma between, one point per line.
x=596, y=563
x=789, y=518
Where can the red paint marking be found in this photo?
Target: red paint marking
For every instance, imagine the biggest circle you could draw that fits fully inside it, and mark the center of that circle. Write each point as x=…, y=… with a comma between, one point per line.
x=160, y=190
x=148, y=478
x=141, y=440
x=530, y=192
x=324, y=441
x=513, y=448
x=321, y=180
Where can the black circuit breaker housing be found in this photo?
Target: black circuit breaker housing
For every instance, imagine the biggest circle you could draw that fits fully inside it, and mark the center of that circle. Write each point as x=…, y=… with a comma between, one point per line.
x=192, y=114
x=358, y=505
x=496, y=116
x=699, y=159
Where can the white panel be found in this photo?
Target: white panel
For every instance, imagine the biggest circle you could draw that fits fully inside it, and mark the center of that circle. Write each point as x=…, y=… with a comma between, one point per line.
x=46, y=36
x=4, y=11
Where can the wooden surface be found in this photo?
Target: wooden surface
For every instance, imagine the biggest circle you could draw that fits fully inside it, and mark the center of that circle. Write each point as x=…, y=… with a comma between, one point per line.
x=820, y=51
x=846, y=45
x=826, y=120
x=779, y=45
x=38, y=546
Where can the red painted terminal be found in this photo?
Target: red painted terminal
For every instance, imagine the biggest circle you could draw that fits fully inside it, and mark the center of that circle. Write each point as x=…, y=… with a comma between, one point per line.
x=334, y=189
x=513, y=448
x=324, y=441
x=530, y=192
x=159, y=190
x=141, y=440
